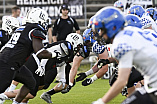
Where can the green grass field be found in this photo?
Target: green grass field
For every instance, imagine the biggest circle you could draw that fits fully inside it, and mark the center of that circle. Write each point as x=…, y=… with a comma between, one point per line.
x=78, y=94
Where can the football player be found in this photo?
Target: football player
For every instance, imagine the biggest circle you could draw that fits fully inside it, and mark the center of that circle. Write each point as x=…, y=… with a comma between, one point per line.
x=24, y=41
x=9, y=25
x=65, y=52
x=146, y=20
x=130, y=45
x=152, y=12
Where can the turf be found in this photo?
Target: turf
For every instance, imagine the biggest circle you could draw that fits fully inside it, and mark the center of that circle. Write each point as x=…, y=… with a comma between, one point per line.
x=79, y=94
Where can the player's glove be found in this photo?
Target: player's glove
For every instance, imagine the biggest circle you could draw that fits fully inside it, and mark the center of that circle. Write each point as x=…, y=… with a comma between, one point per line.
x=68, y=88
x=40, y=71
x=99, y=101
x=102, y=62
x=87, y=81
x=81, y=76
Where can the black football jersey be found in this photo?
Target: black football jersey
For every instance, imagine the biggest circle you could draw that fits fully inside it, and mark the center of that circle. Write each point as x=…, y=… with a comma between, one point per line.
x=65, y=51
x=19, y=47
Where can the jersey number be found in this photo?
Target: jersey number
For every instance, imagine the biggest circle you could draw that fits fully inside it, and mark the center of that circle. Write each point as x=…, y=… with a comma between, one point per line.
x=13, y=40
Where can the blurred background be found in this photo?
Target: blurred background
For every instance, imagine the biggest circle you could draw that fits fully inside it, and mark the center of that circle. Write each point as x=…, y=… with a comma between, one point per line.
x=81, y=10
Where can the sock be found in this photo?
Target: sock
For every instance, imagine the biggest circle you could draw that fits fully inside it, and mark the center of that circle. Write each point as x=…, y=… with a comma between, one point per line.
x=15, y=102
x=89, y=72
x=12, y=87
x=51, y=92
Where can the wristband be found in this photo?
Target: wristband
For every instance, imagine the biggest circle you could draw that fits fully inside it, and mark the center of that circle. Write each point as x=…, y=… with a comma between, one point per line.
x=94, y=78
x=89, y=72
x=71, y=84
x=100, y=101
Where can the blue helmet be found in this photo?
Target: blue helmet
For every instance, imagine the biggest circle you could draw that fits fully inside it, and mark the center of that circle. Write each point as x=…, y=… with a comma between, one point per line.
x=152, y=12
x=133, y=20
x=137, y=10
x=118, y=4
x=110, y=19
x=88, y=36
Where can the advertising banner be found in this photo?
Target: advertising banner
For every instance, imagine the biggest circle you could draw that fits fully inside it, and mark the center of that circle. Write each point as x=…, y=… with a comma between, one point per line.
x=53, y=7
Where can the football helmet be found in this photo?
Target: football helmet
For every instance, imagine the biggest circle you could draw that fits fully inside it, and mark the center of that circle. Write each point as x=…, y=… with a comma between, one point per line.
x=152, y=12
x=10, y=24
x=76, y=41
x=88, y=36
x=118, y=4
x=109, y=19
x=37, y=15
x=133, y=20
x=137, y=10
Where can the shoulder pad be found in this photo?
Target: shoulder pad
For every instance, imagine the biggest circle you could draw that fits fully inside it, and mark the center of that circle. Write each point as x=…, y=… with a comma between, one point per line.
x=96, y=48
x=38, y=34
x=69, y=46
x=37, y=26
x=1, y=34
x=64, y=48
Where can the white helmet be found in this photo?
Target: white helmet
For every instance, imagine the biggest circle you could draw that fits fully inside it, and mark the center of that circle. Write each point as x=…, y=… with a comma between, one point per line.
x=10, y=24
x=76, y=40
x=37, y=15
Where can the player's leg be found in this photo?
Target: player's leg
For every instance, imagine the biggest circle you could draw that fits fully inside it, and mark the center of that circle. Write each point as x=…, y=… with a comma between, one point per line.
x=50, y=74
x=26, y=77
x=7, y=73
x=58, y=88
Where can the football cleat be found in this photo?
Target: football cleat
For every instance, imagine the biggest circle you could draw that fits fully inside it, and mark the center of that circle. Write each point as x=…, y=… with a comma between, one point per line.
x=3, y=97
x=47, y=97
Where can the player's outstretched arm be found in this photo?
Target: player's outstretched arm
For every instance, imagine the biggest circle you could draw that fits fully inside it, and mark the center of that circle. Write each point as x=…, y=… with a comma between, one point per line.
x=100, y=72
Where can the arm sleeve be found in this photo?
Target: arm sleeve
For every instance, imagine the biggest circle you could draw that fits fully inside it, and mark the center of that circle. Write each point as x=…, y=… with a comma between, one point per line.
x=76, y=25
x=55, y=28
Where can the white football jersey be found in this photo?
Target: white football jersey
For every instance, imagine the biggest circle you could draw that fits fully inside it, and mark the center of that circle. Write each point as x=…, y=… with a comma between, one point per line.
x=146, y=21
x=144, y=49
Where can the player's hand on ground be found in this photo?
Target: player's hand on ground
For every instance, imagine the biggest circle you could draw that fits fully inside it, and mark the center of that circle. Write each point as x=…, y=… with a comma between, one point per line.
x=102, y=62
x=81, y=76
x=87, y=82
